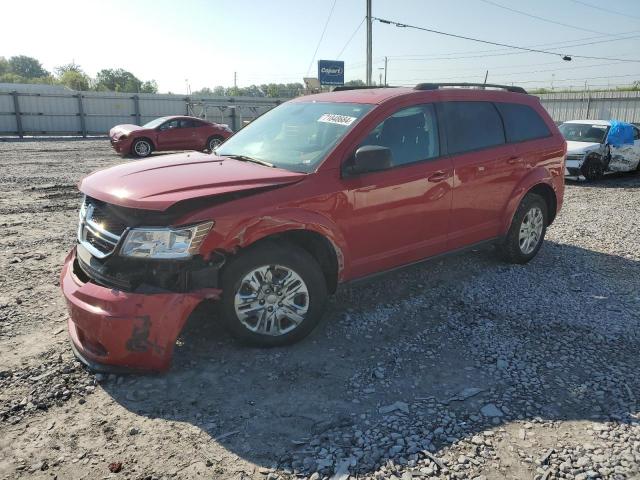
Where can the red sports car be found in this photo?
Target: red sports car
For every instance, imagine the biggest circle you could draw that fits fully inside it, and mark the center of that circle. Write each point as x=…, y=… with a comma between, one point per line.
x=168, y=133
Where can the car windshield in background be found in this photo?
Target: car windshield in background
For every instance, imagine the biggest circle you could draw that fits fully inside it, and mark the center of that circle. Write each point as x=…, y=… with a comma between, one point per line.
x=295, y=136
x=155, y=123
x=583, y=132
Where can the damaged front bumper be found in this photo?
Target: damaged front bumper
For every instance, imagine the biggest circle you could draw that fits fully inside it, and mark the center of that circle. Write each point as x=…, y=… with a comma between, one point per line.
x=112, y=329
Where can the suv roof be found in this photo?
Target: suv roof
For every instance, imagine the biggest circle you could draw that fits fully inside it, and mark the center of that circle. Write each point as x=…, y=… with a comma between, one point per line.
x=377, y=95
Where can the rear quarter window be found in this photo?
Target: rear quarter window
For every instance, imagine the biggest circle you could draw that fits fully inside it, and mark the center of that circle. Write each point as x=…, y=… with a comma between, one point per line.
x=472, y=126
x=521, y=122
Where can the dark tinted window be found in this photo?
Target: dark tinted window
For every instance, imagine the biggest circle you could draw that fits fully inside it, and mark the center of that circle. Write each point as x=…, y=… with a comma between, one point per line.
x=170, y=125
x=188, y=123
x=410, y=133
x=636, y=134
x=472, y=125
x=521, y=122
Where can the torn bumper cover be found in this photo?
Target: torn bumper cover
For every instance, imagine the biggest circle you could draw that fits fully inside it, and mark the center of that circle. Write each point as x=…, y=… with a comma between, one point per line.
x=113, y=330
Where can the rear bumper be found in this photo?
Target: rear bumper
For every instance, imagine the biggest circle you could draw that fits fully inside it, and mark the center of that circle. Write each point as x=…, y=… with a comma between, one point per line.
x=112, y=330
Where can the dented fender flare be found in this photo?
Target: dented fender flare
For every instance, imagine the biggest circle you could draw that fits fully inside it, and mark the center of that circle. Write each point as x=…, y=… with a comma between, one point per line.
x=245, y=234
x=536, y=177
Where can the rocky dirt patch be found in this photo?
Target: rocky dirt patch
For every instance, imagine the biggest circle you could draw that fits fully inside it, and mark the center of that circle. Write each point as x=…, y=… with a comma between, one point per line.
x=463, y=367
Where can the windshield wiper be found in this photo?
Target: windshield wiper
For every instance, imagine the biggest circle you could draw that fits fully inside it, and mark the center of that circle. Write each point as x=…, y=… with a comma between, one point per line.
x=244, y=158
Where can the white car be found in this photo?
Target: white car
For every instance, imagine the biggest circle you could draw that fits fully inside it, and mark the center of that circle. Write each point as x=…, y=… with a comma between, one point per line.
x=590, y=154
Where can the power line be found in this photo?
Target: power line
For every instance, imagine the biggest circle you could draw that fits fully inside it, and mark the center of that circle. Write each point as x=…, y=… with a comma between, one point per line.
x=605, y=9
x=533, y=50
x=350, y=38
x=552, y=45
x=491, y=2
x=321, y=36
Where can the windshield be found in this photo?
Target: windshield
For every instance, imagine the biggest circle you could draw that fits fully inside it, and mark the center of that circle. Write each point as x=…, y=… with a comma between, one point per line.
x=155, y=123
x=583, y=132
x=295, y=136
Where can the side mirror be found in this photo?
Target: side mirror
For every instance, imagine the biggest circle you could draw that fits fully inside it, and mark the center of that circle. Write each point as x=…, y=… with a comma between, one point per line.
x=370, y=158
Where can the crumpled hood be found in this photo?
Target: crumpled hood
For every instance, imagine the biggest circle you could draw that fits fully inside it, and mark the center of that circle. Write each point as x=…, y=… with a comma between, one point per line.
x=119, y=130
x=158, y=183
x=581, y=147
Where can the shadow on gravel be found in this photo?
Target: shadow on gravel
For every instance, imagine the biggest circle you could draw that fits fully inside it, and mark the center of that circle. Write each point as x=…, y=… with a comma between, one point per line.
x=610, y=180
x=415, y=361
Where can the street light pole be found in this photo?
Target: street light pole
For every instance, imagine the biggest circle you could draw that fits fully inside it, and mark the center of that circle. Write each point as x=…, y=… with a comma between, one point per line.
x=369, y=48
x=385, y=71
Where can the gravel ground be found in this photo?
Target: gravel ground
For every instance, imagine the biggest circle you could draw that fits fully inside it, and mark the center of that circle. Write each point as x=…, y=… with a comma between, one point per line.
x=463, y=367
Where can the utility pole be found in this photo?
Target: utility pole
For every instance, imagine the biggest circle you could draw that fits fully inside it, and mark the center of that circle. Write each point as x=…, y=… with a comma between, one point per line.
x=486, y=75
x=369, y=48
x=385, y=71
x=235, y=79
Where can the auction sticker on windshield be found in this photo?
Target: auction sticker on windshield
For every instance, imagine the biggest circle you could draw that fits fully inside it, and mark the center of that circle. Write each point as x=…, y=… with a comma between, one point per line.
x=337, y=119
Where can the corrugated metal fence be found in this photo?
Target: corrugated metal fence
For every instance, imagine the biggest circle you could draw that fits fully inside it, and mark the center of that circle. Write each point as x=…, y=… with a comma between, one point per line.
x=51, y=110
x=616, y=105
x=55, y=111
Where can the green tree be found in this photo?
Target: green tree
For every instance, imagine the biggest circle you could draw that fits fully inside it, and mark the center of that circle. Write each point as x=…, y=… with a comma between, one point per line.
x=4, y=66
x=117, y=80
x=10, y=77
x=69, y=67
x=74, y=80
x=27, y=67
x=355, y=83
x=150, y=86
x=218, y=91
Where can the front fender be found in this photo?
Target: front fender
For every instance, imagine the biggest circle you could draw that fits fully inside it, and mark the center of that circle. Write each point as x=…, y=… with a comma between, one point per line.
x=537, y=176
x=250, y=231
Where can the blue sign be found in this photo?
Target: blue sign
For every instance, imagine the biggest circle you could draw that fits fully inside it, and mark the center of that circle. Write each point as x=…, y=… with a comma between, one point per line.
x=331, y=72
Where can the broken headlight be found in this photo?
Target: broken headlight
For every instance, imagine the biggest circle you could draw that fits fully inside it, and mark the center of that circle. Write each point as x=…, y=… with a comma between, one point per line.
x=165, y=242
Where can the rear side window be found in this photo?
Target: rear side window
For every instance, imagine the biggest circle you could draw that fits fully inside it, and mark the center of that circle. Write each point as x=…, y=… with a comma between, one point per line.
x=472, y=126
x=521, y=122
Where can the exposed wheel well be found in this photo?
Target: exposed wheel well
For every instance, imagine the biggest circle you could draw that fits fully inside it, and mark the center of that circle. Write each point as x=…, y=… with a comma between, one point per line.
x=318, y=246
x=546, y=192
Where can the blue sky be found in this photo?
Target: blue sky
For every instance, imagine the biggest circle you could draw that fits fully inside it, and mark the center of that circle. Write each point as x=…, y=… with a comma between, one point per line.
x=274, y=41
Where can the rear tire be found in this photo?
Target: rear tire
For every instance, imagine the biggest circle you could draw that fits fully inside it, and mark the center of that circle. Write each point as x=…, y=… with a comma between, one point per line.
x=272, y=295
x=141, y=148
x=527, y=231
x=214, y=142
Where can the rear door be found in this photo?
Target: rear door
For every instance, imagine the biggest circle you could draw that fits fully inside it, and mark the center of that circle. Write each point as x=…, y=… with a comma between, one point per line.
x=486, y=169
x=400, y=215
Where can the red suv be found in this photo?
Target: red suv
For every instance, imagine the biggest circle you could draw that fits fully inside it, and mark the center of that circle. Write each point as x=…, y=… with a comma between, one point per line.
x=168, y=133
x=319, y=191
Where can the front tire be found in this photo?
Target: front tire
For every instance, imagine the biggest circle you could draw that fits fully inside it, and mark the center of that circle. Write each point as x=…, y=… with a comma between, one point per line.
x=141, y=148
x=593, y=169
x=272, y=295
x=527, y=231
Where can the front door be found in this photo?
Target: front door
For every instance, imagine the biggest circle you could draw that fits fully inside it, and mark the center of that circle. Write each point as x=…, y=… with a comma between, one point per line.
x=626, y=158
x=400, y=215
x=170, y=135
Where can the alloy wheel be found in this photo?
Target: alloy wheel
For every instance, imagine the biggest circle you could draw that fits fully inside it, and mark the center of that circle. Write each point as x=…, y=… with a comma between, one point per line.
x=272, y=300
x=531, y=230
x=142, y=148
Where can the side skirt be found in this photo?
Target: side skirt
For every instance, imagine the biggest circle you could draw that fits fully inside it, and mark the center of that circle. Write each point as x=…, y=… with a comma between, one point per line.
x=374, y=276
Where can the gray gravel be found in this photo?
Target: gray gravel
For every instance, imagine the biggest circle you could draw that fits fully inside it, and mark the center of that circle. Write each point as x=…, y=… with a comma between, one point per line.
x=464, y=367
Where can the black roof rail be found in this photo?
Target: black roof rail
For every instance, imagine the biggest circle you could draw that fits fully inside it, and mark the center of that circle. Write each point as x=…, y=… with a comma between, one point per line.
x=436, y=86
x=343, y=88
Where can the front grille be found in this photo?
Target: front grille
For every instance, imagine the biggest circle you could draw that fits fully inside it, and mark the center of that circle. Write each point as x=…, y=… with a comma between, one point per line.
x=100, y=228
x=575, y=157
